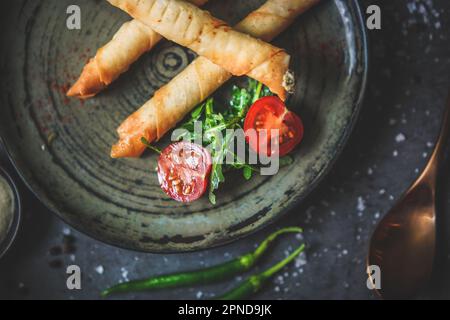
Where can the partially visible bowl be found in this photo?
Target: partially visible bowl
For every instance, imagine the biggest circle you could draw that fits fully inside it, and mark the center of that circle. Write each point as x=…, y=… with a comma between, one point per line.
x=14, y=227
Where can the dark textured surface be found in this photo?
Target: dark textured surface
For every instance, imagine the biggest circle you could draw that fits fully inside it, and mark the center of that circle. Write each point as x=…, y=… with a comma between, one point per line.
x=120, y=201
x=410, y=69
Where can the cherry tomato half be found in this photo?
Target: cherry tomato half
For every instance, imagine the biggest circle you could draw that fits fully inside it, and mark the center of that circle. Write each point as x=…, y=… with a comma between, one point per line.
x=183, y=171
x=271, y=113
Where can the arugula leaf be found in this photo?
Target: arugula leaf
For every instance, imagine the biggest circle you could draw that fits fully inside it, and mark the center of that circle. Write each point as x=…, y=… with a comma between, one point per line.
x=195, y=115
x=286, y=161
x=217, y=177
x=218, y=157
x=146, y=143
x=214, y=122
x=248, y=172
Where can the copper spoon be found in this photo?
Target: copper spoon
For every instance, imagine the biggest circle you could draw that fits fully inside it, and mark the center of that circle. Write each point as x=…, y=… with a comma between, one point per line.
x=403, y=244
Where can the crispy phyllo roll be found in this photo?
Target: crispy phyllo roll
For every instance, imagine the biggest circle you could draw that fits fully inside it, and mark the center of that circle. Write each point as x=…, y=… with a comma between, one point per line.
x=200, y=79
x=237, y=52
x=129, y=43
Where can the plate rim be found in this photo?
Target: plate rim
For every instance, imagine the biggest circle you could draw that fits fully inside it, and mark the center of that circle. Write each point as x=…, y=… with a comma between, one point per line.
x=361, y=30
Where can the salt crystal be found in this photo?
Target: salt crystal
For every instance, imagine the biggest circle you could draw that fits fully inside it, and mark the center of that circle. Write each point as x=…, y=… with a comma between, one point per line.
x=300, y=260
x=99, y=269
x=124, y=273
x=400, y=138
x=361, y=206
x=299, y=236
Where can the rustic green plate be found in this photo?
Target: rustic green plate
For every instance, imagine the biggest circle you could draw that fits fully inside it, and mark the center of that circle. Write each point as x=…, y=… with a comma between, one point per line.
x=61, y=147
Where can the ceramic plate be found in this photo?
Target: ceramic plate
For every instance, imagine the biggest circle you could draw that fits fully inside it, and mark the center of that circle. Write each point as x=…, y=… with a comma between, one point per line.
x=61, y=147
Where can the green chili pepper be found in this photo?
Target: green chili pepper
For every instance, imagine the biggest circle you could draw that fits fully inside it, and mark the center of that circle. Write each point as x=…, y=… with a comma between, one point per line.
x=203, y=276
x=253, y=284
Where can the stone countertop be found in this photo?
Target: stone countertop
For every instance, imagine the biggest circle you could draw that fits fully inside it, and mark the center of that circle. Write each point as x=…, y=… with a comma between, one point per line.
x=408, y=84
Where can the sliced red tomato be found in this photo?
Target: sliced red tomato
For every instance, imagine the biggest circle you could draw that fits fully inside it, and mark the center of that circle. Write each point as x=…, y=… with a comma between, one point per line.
x=183, y=171
x=271, y=113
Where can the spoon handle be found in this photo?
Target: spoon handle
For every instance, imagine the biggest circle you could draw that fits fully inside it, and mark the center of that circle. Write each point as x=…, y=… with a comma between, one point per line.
x=445, y=131
x=438, y=152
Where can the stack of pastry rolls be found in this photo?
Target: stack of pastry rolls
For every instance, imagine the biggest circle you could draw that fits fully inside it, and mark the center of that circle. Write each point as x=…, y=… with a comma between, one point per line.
x=133, y=39
x=223, y=52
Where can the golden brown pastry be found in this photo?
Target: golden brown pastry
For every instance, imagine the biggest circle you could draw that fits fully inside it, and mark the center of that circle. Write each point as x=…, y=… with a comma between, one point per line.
x=131, y=41
x=237, y=52
x=200, y=79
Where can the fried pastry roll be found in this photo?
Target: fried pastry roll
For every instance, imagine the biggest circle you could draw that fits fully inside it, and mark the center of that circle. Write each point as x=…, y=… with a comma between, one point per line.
x=129, y=43
x=199, y=80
